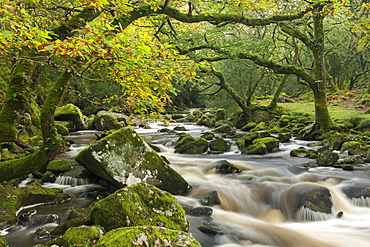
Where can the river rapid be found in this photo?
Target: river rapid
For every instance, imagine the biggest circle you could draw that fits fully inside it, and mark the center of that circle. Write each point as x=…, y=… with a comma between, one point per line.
x=250, y=212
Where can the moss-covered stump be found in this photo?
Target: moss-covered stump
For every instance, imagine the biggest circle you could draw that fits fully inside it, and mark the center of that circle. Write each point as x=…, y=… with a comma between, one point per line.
x=59, y=166
x=138, y=205
x=272, y=144
x=71, y=113
x=327, y=158
x=187, y=144
x=78, y=236
x=219, y=145
x=124, y=158
x=11, y=199
x=147, y=236
x=105, y=120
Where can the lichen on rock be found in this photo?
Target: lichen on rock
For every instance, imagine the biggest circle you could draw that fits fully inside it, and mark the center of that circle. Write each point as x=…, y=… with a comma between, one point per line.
x=123, y=158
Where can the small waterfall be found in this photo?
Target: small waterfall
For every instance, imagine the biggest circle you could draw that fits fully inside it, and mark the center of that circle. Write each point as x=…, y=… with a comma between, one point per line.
x=361, y=201
x=306, y=214
x=68, y=180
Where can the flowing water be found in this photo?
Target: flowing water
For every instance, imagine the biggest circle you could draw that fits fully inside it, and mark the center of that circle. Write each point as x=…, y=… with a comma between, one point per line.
x=255, y=205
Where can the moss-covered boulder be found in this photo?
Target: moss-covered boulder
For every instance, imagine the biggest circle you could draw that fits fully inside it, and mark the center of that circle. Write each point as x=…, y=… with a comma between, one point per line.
x=206, y=120
x=249, y=126
x=272, y=144
x=187, y=144
x=284, y=137
x=327, y=158
x=284, y=121
x=224, y=128
x=350, y=145
x=302, y=152
x=59, y=166
x=62, y=130
x=139, y=205
x=85, y=236
x=70, y=113
x=260, y=126
x=124, y=158
x=105, y=120
x=220, y=114
x=257, y=148
x=147, y=236
x=11, y=199
x=208, y=135
x=3, y=243
x=219, y=145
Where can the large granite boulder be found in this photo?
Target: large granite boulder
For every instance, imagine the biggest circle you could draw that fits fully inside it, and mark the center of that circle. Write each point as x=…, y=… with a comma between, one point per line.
x=147, y=236
x=139, y=205
x=70, y=113
x=106, y=120
x=124, y=158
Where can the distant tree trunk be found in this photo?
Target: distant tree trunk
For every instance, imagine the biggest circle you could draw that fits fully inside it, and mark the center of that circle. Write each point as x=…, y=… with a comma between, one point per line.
x=15, y=100
x=322, y=116
x=275, y=99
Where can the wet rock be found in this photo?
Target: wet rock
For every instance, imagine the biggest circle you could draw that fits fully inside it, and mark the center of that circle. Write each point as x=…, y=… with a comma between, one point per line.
x=209, y=228
x=219, y=145
x=347, y=167
x=357, y=189
x=48, y=176
x=223, y=167
x=139, y=205
x=354, y=160
x=45, y=230
x=124, y=158
x=105, y=120
x=327, y=158
x=197, y=211
x=62, y=130
x=180, y=128
x=70, y=113
x=42, y=219
x=284, y=137
x=147, y=236
x=272, y=144
x=210, y=199
x=300, y=152
x=313, y=197
x=187, y=144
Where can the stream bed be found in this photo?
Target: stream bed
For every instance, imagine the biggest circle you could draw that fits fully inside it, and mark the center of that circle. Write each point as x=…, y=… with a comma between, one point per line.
x=251, y=202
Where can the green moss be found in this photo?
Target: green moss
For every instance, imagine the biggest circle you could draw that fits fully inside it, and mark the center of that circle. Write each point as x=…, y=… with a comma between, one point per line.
x=81, y=236
x=272, y=144
x=257, y=148
x=62, y=130
x=3, y=243
x=249, y=126
x=147, y=236
x=137, y=205
x=219, y=145
x=59, y=166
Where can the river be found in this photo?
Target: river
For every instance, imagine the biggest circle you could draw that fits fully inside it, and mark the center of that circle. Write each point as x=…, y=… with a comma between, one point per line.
x=252, y=201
